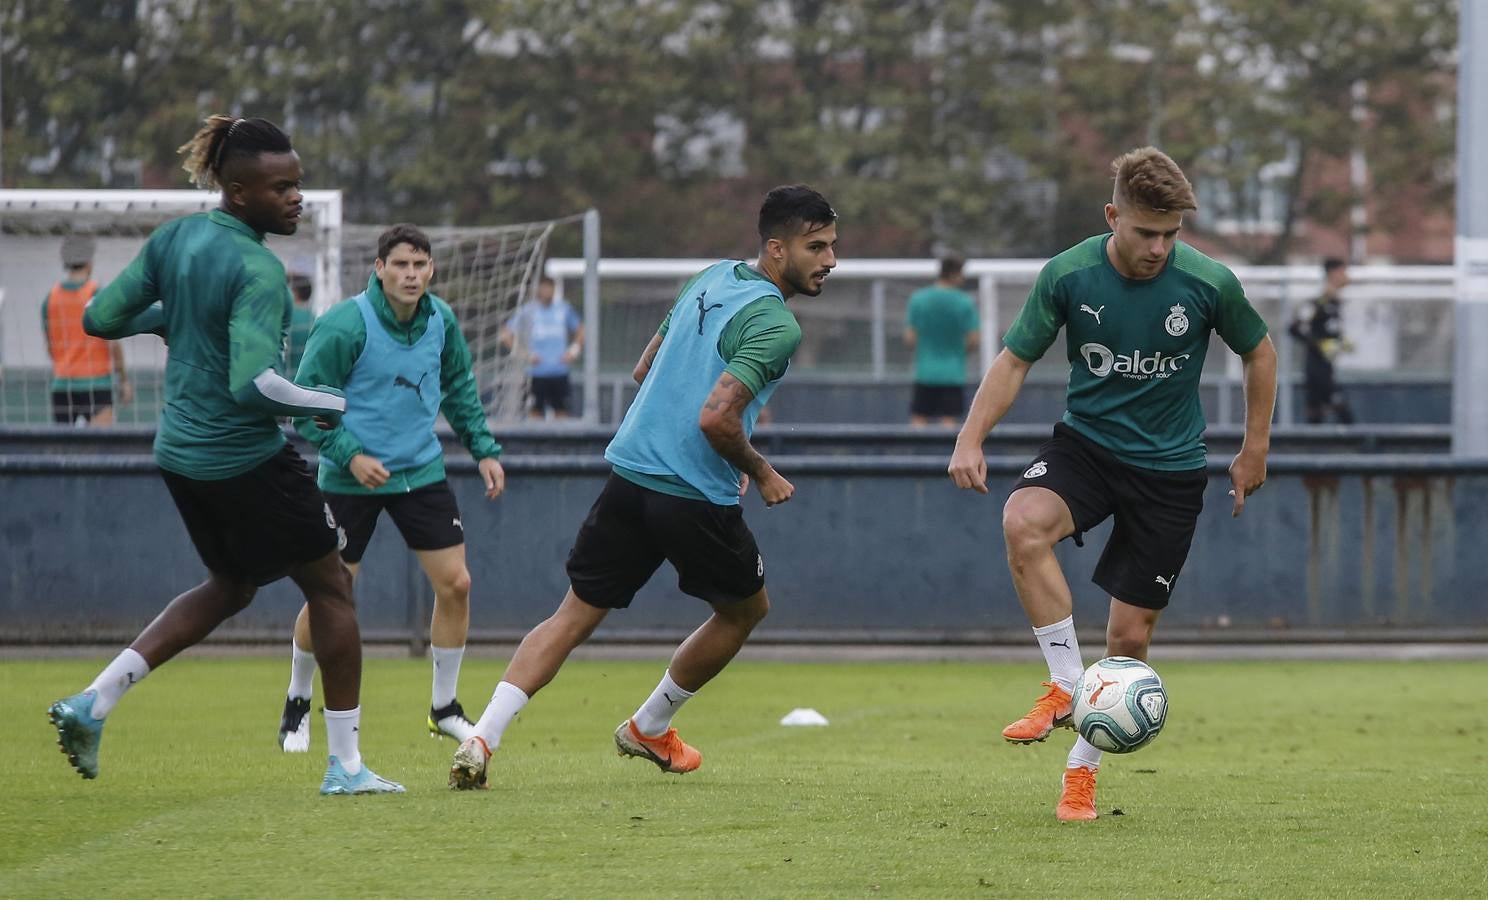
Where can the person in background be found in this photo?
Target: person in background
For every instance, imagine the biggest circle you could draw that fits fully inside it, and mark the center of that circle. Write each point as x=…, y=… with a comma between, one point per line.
x=941, y=326
x=87, y=372
x=1319, y=326
x=552, y=334
x=301, y=317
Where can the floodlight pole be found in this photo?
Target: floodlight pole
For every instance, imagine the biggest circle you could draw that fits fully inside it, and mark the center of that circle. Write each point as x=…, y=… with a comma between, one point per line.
x=1470, y=352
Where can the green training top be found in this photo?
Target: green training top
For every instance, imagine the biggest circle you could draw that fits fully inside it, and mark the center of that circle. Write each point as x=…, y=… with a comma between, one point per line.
x=224, y=310
x=336, y=342
x=1136, y=348
x=756, y=346
x=941, y=318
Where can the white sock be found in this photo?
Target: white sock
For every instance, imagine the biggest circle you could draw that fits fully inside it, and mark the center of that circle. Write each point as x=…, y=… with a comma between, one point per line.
x=342, y=726
x=1084, y=754
x=127, y=670
x=655, y=715
x=506, y=702
x=1061, y=652
x=301, y=672
x=446, y=674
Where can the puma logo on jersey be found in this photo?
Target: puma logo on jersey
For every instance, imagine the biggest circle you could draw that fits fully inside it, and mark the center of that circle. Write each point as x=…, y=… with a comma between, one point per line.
x=400, y=381
x=1093, y=312
x=703, y=310
x=1167, y=583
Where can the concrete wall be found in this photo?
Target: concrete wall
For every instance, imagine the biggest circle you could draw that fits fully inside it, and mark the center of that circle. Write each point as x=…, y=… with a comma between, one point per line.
x=876, y=548
x=25, y=399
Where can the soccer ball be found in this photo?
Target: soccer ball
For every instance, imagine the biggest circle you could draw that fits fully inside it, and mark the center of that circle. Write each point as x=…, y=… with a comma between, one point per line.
x=1120, y=704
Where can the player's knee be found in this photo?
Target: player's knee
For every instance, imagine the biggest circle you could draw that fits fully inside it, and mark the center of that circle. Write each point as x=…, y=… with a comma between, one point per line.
x=1128, y=639
x=1024, y=529
x=236, y=594
x=749, y=613
x=455, y=587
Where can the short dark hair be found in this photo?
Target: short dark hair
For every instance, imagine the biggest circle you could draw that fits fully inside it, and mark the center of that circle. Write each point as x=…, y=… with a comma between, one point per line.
x=1333, y=264
x=950, y=267
x=301, y=285
x=403, y=233
x=223, y=140
x=546, y=279
x=792, y=208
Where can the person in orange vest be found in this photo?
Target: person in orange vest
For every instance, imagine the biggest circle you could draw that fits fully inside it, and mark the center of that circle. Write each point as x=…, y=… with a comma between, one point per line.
x=85, y=369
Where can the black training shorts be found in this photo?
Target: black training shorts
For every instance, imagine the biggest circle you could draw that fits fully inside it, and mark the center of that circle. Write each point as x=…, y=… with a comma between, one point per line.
x=258, y=525
x=427, y=517
x=1155, y=513
x=631, y=530
x=549, y=392
x=68, y=405
x=935, y=400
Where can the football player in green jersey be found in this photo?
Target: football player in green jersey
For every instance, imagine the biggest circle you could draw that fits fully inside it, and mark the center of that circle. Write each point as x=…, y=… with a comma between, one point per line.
x=1137, y=307
x=208, y=283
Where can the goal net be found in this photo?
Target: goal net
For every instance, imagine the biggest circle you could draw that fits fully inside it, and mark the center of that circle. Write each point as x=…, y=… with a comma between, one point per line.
x=483, y=273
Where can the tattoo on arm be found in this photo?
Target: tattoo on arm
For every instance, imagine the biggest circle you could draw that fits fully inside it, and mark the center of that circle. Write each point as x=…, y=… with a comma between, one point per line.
x=648, y=356
x=722, y=423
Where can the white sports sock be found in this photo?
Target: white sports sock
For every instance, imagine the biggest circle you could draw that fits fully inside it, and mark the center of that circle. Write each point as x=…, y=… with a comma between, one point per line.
x=1084, y=754
x=342, y=726
x=506, y=702
x=655, y=715
x=127, y=670
x=1061, y=652
x=446, y=674
x=301, y=672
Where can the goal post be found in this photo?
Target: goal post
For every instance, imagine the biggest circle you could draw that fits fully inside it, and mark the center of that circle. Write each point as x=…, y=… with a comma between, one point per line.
x=485, y=273
x=35, y=222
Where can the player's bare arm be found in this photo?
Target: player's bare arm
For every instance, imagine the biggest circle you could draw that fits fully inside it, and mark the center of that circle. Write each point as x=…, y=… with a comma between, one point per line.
x=995, y=395
x=648, y=356
x=722, y=423
x=1248, y=468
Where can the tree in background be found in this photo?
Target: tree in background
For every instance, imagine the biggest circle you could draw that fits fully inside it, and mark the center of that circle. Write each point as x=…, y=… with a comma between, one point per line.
x=972, y=126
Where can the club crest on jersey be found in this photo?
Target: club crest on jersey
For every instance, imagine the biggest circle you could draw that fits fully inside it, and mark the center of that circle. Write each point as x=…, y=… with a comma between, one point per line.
x=1037, y=470
x=1177, y=321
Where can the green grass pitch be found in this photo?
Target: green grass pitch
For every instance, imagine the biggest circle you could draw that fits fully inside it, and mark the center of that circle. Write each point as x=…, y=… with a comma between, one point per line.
x=1272, y=779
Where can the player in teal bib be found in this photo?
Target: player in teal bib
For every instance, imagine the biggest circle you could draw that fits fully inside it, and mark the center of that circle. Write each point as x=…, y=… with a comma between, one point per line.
x=1137, y=307
x=397, y=351
x=653, y=439
x=680, y=457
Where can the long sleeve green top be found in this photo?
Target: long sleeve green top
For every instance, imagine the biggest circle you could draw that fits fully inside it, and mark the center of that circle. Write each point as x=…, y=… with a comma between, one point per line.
x=208, y=284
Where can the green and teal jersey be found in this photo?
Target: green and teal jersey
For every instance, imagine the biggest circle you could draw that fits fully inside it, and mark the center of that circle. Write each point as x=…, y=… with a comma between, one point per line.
x=1136, y=348
x=207, y=283
x=756, y=346
x=941, y=318
x=336, y=343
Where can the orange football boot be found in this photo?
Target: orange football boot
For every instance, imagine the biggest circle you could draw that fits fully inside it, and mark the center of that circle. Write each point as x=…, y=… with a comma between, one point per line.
x=667, y=750
x=1049, y=712
x=1077, y=798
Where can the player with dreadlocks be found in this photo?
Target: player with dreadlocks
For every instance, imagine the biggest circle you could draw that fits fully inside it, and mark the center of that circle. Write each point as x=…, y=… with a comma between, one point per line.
x=250, y=504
